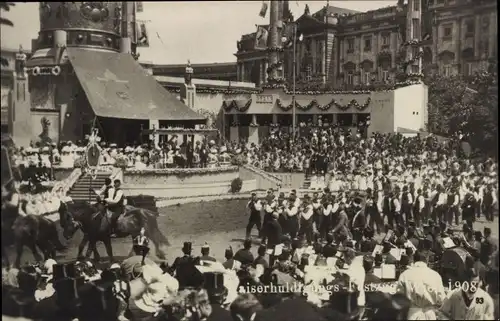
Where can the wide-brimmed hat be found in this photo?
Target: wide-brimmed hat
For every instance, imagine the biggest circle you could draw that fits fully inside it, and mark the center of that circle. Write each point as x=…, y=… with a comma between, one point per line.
x=150, y=301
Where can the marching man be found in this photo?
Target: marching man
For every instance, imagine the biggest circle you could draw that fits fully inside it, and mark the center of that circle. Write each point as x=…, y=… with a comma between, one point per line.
x=269, y=205
x=254, y=207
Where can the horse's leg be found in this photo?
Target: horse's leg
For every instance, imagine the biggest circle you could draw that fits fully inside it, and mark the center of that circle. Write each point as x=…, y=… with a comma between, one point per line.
x=93, y=248
x=81, y=247
x=131, y=253
x=19, y=253
x=109, y=249
x=5, y=257
x=36, y=254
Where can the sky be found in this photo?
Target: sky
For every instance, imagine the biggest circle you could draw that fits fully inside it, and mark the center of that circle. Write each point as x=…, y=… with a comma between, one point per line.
x=203, y=32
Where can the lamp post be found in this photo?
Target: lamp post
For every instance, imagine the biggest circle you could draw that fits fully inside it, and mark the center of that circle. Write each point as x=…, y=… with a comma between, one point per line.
x=294, y=76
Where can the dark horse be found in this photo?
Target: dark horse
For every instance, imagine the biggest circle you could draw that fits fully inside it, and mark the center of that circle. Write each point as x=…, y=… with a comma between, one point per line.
x=32, y=231
x=95, y=225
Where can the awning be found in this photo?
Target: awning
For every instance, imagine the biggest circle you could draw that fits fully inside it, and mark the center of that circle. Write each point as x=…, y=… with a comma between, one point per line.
x=118, y=87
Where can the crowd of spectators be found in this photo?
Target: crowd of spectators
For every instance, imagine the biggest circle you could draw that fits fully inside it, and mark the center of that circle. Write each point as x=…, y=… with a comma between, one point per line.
x=321, y=282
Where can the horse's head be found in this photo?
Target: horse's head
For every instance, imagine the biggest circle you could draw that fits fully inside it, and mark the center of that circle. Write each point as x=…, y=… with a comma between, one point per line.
x=66, y=219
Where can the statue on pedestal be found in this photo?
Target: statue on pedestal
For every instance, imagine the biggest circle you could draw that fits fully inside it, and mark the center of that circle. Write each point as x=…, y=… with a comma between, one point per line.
x=21, y=62
x=188, y=74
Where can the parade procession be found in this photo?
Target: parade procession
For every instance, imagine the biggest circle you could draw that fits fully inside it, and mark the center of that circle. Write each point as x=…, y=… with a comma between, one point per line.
x=343, y=168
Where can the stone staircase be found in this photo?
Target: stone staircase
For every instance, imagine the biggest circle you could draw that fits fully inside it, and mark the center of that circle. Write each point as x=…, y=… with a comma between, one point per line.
x=307, y=182
x=83, y=189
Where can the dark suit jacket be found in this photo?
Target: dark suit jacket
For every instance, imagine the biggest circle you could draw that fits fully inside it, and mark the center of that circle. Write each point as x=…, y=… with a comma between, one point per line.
x=219, y=314
x=260, y=260
x=274, y=233
x=244, y=256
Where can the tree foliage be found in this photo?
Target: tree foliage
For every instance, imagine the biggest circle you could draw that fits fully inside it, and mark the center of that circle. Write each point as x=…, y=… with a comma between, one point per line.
x=5, y=7
x=465, y=104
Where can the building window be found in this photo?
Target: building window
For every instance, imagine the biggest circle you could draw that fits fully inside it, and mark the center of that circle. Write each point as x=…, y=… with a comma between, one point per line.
x=416, y=5
x=385, y=39
x=367, y=77
x=368, y=44
x=308, y=73
x=350, y=45
x=485, y=23
x=447, y=32
x=416, y=28
x=385, y=75
x=469, y=28
x=350, y=78
x=468, y=71
x=447, y=70
x=484, y=48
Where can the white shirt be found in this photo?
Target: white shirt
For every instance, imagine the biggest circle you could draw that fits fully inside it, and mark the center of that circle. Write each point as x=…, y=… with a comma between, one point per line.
x=118, y=195
x=308, y=212
x=270, y=207
x=397, y=205
x=442, y=199
x=424, y=288
x=421, y=202
x=481, y=308
x=328, y=209
x=291, y=211
x=357, y=276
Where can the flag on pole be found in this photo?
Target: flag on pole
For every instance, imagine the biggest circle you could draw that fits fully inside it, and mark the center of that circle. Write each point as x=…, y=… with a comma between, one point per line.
x=263, y=9
x=261, y=37
x=139, y=6
x=142, y=35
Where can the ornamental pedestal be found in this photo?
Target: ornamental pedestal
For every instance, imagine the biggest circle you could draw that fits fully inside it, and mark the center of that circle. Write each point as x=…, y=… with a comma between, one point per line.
x=253, y=134
x=234, y=134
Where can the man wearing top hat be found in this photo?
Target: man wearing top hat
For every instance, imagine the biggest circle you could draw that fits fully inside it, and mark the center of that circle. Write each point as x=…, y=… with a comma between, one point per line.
x=254, y=208
x=217, y=293
x=184, y=268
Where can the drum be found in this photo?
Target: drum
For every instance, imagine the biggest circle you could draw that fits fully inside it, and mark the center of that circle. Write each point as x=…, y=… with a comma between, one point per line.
x=453, y=264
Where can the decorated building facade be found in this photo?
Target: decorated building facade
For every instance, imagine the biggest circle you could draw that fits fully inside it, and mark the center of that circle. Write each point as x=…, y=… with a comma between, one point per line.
x=83, y=74
x=344, y=49
x=332, y=61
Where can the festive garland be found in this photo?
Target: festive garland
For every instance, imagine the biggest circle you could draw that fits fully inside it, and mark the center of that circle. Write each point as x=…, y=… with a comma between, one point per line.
x=314, y=103
x=183, y=172
x=363, y=89
x=233, y=104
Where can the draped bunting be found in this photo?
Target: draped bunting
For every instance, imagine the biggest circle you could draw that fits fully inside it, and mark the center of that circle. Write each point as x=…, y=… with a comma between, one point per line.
x=314, y=103
x=239, y=105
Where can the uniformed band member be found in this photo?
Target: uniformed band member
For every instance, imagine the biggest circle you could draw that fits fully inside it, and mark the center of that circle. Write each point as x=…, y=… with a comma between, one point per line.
x=231, y=263
x=254, y=207
x=141, y=244
x=205, y=253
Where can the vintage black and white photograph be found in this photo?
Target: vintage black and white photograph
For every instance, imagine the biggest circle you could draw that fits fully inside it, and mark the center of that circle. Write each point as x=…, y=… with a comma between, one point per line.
x=267, y=160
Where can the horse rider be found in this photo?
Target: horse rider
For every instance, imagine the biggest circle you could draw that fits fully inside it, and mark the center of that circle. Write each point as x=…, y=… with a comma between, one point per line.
x=104, y=192
x=115, y=204
x=10, y=200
